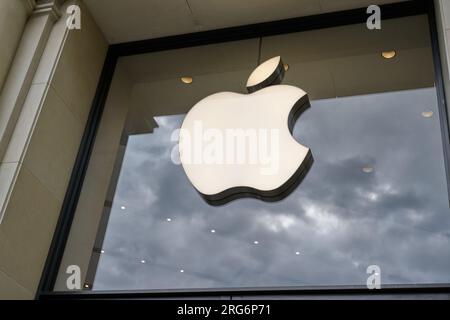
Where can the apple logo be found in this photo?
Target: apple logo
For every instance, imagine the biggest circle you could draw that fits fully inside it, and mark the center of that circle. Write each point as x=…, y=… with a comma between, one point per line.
x=235, y=145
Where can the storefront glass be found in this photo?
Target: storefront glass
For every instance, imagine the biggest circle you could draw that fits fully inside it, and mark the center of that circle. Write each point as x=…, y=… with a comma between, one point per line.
x=376, y=193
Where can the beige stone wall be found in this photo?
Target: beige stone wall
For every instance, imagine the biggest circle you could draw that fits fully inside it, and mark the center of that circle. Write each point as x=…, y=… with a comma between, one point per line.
x=91, y=204
x=55, y=114
x=13, y=16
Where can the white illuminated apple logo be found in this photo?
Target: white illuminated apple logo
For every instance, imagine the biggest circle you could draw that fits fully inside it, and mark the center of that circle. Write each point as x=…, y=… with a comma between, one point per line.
x=240, y=145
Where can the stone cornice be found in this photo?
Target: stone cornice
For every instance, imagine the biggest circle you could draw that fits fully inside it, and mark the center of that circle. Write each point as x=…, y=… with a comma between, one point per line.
x=48, y=7
x=31, y=4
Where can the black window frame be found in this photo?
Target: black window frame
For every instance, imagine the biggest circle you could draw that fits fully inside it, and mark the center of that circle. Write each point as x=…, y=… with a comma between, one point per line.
x=115, y=51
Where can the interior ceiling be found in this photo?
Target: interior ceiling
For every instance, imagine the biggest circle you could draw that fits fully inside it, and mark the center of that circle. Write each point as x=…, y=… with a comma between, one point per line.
x=335, y=62
x=131, y=20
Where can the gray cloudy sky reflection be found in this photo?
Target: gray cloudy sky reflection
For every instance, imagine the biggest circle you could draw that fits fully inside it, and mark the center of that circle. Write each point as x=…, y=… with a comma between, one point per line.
x=340, y=219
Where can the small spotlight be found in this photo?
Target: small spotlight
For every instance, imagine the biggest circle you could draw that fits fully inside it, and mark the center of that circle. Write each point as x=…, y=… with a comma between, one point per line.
x=143, y=261
x=87, y=286
x=367, y=169
x=297, y=253
x=427, y=114
x=187, y=80
x=169, y=219
x=182, y=270
x=388, y=54
x=123, y=208
x=102, y=251
x=255, y=242
x=213, y=231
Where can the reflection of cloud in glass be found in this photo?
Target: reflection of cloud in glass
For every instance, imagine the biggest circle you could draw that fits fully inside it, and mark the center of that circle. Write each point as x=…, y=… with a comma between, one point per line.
x=336, y=223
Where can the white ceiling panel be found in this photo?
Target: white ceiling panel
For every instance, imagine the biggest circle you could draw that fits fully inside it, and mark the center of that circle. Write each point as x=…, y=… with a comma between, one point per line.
x=339, y=5
x=213, y=14
x=130, y=20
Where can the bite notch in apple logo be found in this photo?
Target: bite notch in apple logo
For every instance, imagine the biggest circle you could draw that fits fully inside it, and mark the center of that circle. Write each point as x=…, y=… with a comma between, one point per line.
x=236, y=145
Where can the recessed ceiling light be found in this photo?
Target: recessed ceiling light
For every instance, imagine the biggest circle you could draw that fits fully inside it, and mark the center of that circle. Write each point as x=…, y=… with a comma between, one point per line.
x=187, y=80
x=213, y=231
x=427, y=114
x=168, y=219
x=389, y=54
x=181, y=270
x=102, y=251
x=286, y=67
x=297, y=253
x=86, y=285
x=255, y=242
x=123, y=207
x=367, y=169
x=143, y=261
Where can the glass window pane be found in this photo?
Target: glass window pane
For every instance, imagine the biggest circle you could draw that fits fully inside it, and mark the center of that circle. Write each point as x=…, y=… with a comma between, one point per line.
x=376, y=193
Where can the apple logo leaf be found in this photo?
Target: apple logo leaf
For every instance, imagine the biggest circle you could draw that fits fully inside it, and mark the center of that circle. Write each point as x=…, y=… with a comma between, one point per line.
x=236, y=145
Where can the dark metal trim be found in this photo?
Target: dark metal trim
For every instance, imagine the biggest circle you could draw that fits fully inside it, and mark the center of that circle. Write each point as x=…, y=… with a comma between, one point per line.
x=56, y=251
x=440, y=90
x=298, y=292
